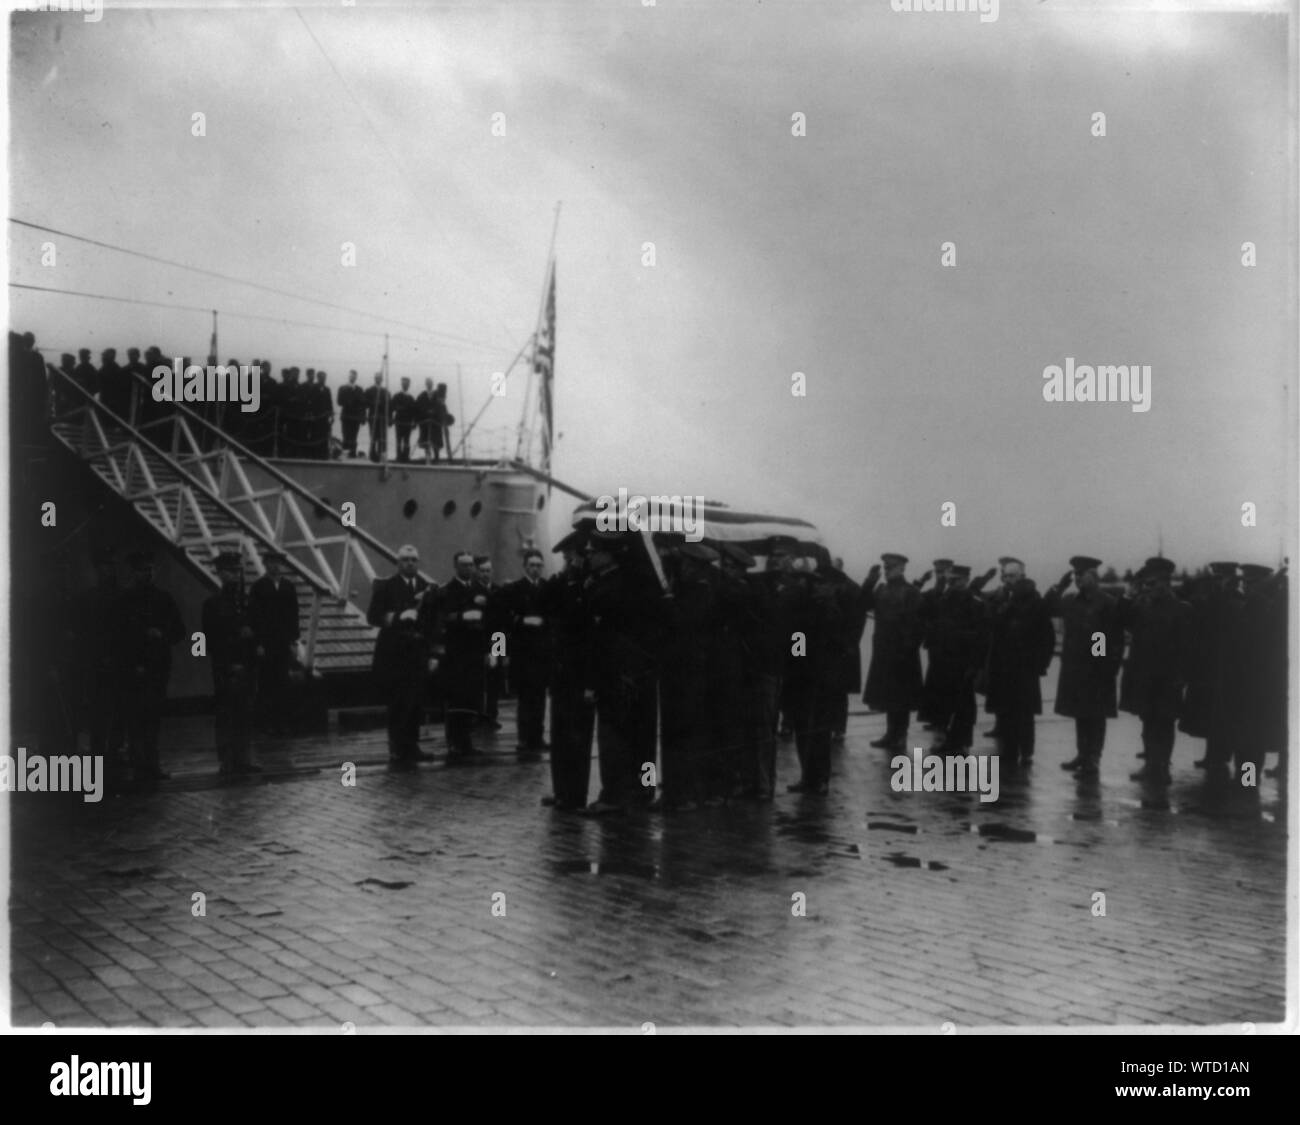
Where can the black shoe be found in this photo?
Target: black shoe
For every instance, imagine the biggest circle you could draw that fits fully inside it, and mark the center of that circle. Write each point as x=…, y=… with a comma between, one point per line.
x=1141, y=753
x=887, y=743
x=1152, y=774
x=1090, y=767
x=1073, y=764
x=401, y=764
x=992, y=732
x=1202, y=763
x=551, y=801
x=600, y=808
x=421, y=756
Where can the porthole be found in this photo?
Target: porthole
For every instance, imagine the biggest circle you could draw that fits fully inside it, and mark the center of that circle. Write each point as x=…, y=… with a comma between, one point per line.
x=410, y=508
x=475, y=508
x=449, y=508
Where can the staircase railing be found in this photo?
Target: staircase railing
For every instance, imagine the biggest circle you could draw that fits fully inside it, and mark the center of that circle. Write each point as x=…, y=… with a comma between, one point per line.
x=219, y=474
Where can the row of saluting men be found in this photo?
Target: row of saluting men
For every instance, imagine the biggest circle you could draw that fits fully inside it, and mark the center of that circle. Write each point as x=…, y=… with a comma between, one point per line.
x=296, y=415
x=706, y=671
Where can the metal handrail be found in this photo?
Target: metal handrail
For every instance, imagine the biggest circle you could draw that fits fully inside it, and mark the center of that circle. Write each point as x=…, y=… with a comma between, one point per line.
x=380, y=548
x=190, y=482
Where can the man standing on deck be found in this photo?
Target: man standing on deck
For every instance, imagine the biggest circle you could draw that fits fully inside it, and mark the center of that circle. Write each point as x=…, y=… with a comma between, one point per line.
x=352, y=409
x=403, y=407
x=377, y=418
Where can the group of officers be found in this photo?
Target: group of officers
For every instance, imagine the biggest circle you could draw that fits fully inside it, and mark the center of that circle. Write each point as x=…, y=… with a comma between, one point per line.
x=295, y=415
x=106, y=656
x=685, y=663
x=686, y=673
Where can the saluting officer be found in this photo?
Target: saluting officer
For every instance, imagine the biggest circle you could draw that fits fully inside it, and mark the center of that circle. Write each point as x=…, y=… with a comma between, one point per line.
x=1160, y=625
x=813, y=609
x=527, y=603
x=1021, y=643
x=894, y=677
x=462, y=649
x=150, y=625
x=1092, y=646
x=232, y=649
x=957, y=639
x=929, y=714
x=402, y=658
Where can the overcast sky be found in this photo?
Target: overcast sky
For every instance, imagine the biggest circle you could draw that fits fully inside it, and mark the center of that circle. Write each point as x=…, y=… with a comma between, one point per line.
x=774, y=253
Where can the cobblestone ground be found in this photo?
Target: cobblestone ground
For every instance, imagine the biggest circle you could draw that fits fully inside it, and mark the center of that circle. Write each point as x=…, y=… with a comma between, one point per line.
x=374, y=904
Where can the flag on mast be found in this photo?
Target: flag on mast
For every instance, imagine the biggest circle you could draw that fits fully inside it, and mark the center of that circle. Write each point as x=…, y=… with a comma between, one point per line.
x=544, y=366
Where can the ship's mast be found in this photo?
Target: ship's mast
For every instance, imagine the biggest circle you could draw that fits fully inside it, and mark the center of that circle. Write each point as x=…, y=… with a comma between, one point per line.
x=524, y=442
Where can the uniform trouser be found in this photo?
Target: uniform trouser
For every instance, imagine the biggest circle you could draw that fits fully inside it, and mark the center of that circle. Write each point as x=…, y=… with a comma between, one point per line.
x=896, y=725
x=960, y=722
x=758, y=767
x=403, y=432
x=105, y=711
x=682, y=742
x=1015, y=729
x=1090, y=736
x=350, y=428
x=626, y=733
x=144, y=717
x=464, y=698
x=530, y=683
x=405, y=709
x=378, y=442
x=811, y=707
x=233, y=717
x=840, y=718
x=1158, y=740
x=573, y=722
x=493, y=682
x=273, y=684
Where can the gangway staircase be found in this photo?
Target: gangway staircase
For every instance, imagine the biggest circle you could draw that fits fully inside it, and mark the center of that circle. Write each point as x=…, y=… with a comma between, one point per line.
x=189, y=482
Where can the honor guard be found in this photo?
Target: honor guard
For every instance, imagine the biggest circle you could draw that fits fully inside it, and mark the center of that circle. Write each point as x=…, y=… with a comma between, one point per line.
x=1021, y=643
x=1092, y=646
x=894, y=677
x=1160, y=625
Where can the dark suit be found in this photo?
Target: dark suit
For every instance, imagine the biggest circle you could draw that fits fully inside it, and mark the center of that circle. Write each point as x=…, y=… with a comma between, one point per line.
x=528, y=604
x=572, y=718
x=273, y=612
x=232, y=649
x=401, y=657
x=352, y=409
x=403, y=407
x=462, y=639
x=377, y=416
x=1021, y=643
x=147, y=663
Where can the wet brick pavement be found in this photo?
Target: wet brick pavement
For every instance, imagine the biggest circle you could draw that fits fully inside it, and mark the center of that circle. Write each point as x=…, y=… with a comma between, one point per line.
x=374, y=904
